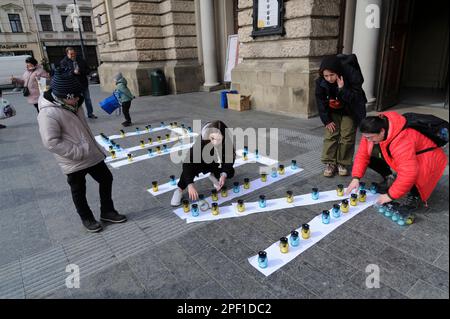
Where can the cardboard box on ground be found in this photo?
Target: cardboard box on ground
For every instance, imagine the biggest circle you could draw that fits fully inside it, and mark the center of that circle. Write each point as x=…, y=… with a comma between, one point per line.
x=238, y=102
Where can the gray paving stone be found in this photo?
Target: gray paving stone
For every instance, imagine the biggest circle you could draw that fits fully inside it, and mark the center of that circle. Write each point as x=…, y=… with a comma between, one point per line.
x=423, y=290
x=427, y=272
x=117, y=282
x=181, y=265
x=442, y=262
x=210, y=290
x=226, y=274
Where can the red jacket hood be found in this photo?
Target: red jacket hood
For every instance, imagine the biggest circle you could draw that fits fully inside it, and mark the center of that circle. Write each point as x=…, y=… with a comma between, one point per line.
x=396, y=124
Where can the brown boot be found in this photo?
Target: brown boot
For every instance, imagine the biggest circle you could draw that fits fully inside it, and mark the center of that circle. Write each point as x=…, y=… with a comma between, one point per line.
x=342, y=170
x=329, y=171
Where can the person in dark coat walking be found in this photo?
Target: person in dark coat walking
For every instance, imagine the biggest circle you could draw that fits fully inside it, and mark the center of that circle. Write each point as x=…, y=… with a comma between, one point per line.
x=78, y=67
x=212, y=153
x=341, y=103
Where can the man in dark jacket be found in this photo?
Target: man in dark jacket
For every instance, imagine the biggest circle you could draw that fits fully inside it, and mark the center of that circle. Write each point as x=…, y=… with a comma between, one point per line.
x=341, y=103
x=79, y=68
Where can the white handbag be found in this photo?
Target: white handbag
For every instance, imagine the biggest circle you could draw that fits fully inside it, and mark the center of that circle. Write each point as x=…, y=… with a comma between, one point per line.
x=6, y=109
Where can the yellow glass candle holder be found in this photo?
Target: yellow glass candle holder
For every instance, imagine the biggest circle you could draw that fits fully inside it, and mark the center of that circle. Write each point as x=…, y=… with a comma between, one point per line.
x=150, y=141
x=306, y=232
x=158, y=138
x=142, y=144
x=158, y=149
x=122, y=133
x=263, y=177
x=281, y=169
x=353, y=199
x=340, y=190
x=130, y=157
x=113, y=154
x=240, y=206
x=186, y=206
x=155, y=186
x=284, y=245
x=362, y=196
x=224, y=192
x=289, y=197
x=246, y=183
x=167, y=137
x=344, y=206
x=215, y=209
x=214, y=195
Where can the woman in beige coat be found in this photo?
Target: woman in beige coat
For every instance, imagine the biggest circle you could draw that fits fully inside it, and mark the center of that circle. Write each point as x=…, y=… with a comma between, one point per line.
x=30, y=80
x=65, y=132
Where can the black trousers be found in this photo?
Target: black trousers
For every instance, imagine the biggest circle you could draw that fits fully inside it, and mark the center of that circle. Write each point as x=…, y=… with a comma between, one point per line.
x=380, y=166
x=126, y=110
x=77, y=181
x=36, y=106
x=202, y=168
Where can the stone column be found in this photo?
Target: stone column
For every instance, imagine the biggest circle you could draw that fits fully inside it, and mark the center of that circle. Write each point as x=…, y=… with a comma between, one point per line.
x=365, y=45
x=208, y=44
x=349, y=26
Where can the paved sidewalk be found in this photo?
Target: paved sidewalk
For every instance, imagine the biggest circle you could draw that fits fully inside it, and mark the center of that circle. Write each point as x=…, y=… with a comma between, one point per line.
x=157, y=255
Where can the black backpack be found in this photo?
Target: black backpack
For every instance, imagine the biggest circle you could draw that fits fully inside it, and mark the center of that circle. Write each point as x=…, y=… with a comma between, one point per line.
x=351, y=68
x=433, y=127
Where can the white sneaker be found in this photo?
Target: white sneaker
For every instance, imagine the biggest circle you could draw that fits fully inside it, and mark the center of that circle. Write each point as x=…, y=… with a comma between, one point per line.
x=176, y=198
x=213, y=180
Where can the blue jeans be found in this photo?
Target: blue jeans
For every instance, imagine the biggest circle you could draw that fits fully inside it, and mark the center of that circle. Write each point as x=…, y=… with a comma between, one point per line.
x=87, y=101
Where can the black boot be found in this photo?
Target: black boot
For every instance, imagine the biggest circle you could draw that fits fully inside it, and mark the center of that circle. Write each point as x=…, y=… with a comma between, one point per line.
x=91, y=224
x=112, y=217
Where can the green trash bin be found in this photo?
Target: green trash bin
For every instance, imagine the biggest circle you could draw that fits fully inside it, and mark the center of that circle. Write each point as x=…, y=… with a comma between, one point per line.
x=158, y=80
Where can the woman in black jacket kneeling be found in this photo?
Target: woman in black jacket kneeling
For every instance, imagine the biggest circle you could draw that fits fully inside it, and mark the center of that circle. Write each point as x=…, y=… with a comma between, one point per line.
x=212, y=153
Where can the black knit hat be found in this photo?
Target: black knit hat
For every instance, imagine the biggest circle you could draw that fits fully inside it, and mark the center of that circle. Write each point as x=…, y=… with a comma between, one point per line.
x=65, y=85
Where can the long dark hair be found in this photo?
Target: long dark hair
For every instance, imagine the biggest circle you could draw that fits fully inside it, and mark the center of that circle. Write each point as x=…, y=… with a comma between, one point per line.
x=227, y=141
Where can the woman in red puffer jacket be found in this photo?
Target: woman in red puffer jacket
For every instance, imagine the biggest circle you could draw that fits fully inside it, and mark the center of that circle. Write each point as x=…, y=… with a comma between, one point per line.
x=417, y=174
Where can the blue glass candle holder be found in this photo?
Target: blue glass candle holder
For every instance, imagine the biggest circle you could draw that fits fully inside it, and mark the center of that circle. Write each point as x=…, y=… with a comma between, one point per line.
x=325, y=217
x=246, y=149
x=189, y=129
x=150, y=152
x=315, y=193
x=236, y=187
x=194, y=210
x=173, y=181
x=262, y=201
x=162, y=124
x=389, y=211
x=373, y=188
x=336, y=211
x=401, y=221
x=137, y=130
x=294, y=165
x=262, y=259
x=274, y=173
x=395, y=216
x=380, y=208
x=256, y=153
x=362, y=186
x=294, y=240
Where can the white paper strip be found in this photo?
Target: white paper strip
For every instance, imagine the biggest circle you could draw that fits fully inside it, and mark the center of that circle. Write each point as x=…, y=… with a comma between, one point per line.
x=141, y=132
x=123, y=153
x=271, y=205
x=319, y=230
x=254, y=185
x=167, y=187
x=146, y=156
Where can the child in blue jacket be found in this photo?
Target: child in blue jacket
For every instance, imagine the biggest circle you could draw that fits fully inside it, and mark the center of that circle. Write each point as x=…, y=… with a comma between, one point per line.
x=125, y=97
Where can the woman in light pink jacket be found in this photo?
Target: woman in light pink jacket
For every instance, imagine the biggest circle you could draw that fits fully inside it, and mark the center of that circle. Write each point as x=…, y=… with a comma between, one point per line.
x=29, y=79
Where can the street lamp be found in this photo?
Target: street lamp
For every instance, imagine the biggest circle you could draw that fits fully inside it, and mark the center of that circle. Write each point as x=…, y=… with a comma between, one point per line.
x=79, y=31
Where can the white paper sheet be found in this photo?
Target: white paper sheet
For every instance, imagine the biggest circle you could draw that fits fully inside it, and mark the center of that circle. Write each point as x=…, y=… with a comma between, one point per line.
x=319, y=230
x=271, y=205
x=146, y=156
x=254, y=185
x=123, y=154
x=167, y=187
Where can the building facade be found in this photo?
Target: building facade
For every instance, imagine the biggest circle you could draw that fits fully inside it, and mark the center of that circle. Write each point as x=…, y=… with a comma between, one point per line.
x=44, y=28
x=18, y=33
x=278, y=58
